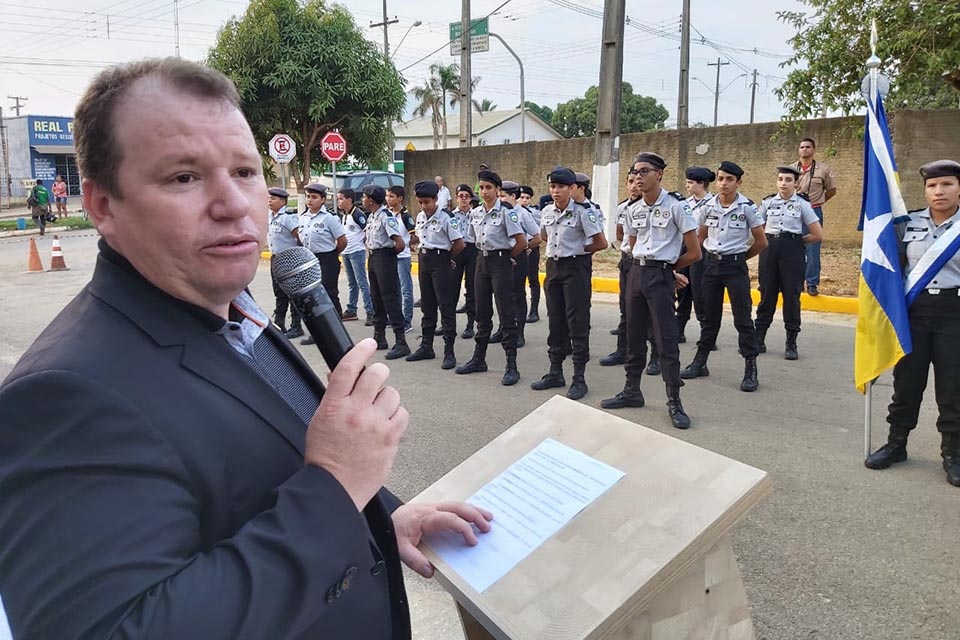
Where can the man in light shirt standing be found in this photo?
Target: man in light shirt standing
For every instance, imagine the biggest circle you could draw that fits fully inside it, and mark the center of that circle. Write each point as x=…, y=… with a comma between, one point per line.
x=443, y=195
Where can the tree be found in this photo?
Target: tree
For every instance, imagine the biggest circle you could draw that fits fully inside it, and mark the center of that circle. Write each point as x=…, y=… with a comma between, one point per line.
x=917, y=46
x=430, y=100
x=578, y=117
x=306, y=69
x=542, y=112
x=485, y=105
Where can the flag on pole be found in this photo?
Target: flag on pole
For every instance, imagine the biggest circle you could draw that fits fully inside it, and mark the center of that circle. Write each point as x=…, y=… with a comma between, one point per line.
x=883, y=330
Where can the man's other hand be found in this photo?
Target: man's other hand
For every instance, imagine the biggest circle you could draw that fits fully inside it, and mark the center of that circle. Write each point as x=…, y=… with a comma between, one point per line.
x=413, y=521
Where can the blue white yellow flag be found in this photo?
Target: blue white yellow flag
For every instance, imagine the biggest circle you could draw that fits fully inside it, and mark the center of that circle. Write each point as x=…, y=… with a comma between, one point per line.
x=883, y=330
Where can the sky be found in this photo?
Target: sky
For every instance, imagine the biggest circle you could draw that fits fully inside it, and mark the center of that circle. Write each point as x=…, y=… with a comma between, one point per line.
x=52, y=48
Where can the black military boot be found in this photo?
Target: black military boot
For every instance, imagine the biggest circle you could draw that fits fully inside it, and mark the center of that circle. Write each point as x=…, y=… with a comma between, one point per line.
x=400, y=347
x=381, y=338
x=424, y=351
x=553, y=378
x=653, y=365
x=476, y=364
x=496, y=336
x=761, y=340
x=521, y=340
x=790, y=350
x=617, y=357
x=295, y=330
x=681, y=334
x=749, y=382
x=511, y=374
x=894, y=451
x=449, y=359
x=629, y=397
x=950, y=451
x=578, y=387
x=468, y=330
x=534, y=315
x=697, y=368
x=678, y=417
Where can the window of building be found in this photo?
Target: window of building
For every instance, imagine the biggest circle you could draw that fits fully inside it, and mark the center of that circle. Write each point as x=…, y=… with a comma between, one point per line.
x=506, y=141
x=67, y=169
x=398, y=155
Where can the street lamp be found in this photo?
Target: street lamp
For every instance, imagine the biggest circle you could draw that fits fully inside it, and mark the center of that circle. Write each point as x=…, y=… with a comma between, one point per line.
x=415, y=24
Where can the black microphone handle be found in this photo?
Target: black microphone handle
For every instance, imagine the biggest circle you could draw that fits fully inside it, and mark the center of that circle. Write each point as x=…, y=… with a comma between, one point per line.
x=322, y=320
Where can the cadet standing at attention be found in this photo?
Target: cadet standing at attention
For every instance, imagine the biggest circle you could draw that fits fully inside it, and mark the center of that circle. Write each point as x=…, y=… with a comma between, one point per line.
x=623, y=267
x=440, y=240
x=322, y=233
x=698, y=181
x=533, y=254
x=395, y=197
x=384, y=243
x=283, y=233
x=783, y=264
x=729, y=220
x=509, y=193
x=928, y=238
x=658, y=225
x=572, y=233
x=465, y=268
x=500, y=241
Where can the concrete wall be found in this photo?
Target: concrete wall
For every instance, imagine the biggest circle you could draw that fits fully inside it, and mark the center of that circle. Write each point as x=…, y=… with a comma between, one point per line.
x=919, y=137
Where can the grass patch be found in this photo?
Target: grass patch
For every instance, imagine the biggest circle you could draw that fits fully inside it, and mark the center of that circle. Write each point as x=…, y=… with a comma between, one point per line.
x=72, y=223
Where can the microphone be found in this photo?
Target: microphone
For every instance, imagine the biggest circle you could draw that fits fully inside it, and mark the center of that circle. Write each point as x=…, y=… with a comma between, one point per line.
x=297, y=271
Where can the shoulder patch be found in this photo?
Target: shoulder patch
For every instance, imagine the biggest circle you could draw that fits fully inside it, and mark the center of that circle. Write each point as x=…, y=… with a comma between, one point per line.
x=514, y=217
x=915, y=211
x=749, y=201
x=450, y=213
x=770, y=196
x=677, y=195
x=591, y=216
x=804, y=196
x=391, y=221
x=904, y=219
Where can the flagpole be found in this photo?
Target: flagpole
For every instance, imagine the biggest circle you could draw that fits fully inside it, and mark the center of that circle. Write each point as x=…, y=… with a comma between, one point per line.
x=873, y=64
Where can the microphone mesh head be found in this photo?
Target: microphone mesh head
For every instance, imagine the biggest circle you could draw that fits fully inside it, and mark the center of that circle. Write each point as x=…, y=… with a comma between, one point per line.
x=295, y=269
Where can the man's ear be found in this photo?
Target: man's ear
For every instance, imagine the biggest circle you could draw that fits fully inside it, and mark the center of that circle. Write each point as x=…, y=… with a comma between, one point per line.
x=98, y=204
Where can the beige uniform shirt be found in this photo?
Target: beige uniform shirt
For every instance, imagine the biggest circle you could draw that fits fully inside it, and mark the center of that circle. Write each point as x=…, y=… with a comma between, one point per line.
x=816, y=181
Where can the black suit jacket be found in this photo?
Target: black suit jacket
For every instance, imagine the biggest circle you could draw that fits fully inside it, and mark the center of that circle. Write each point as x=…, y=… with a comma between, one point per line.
x=152, y=485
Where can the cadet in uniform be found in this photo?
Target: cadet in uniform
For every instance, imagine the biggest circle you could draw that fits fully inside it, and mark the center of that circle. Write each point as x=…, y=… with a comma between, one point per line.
x=934, y=321
x=384, y=243
x=785, y=215
x=500, y=240
x=355, y=255
x=728, y=222
x=698, y=180
x=533, y=254
x=395, y=196
x=572, y=234
x=623, y=267
x=658, y=225
x=322, y=233
x=465, y=268
x=283, y=233
x=439, y=238
x=508, y=195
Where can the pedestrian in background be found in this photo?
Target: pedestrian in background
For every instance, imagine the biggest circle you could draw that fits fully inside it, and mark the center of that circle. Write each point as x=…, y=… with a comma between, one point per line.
x=819, y=183
x=354, y=256
x=395, y=196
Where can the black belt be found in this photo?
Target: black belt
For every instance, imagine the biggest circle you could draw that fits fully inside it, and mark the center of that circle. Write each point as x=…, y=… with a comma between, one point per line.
x=785, y=234
x=439, y=252
x=652, y=264
x=496, y=252
x=383, y=250
x=559, y=258
x=727, y=257
x=951, y=292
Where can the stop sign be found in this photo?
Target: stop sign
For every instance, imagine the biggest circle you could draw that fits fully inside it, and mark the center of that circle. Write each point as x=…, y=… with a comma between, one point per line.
x=333, y=146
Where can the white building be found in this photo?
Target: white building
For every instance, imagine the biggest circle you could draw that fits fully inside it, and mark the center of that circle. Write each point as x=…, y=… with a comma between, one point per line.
x=489, y=128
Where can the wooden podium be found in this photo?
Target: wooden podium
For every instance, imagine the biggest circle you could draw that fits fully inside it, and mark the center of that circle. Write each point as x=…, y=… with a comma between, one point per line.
x=649, y=560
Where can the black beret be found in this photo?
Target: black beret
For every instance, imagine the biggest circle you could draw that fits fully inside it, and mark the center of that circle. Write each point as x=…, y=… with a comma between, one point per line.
x=701, y=174
x=510, y=185
x=527, y=190
x=940, y=169
x=582, y=178
x=562, y=175
x=465, y=187
x=376, y=193
x=651, y=158
x=545, y=200
x=426, y=189
x=491, y=177
x=316, y=187
x=277, y=191
x=789, y=168
x=729, y=167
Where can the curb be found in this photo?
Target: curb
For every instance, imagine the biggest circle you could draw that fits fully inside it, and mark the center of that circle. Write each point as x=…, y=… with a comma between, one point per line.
x=16, y=233
x=826, y=304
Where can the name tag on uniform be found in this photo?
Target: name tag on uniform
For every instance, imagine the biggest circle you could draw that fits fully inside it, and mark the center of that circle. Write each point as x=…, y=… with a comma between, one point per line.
x=548, y=219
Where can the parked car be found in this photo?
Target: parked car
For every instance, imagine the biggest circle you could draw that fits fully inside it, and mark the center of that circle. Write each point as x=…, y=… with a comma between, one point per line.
x=357, y=180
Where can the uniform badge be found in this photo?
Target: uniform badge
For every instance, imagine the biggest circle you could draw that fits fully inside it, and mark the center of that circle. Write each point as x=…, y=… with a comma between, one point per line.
x=392, y=221
x=656, y=212
x=592, y=216
x=666, y=214
x=513, y=217
x=790, y=207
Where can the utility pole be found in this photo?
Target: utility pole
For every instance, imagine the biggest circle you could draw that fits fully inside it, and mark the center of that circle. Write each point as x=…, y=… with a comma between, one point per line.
x=6, y=163
x=716, y=95
x=466, y=77
x=385, y=24
x=606, y=161
x=753, y=94
x=523, y=95
x=20, y=101
x=176, y=25
x=683, y=100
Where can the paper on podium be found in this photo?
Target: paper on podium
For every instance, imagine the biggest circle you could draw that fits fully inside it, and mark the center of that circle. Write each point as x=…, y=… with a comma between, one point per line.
x=532, y=499
x=637, y=541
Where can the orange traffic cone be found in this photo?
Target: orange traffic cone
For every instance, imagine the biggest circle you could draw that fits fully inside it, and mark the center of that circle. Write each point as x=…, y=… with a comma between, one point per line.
x=33, y=262
x=56, y=258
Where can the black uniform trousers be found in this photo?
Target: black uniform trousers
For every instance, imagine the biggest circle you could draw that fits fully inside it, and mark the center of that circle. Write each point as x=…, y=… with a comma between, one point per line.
x=533, y=276
x=935, y=333
x=330, y=276
x=283, y=303
x=567, y=289
x=385, y=290
x=728, y=272
x=465, y=271
x=649, y=303
x=623, y=267
x=696, y=290
x=435, y=275
x=782, y=266
x=494, y=284
x=520, y=271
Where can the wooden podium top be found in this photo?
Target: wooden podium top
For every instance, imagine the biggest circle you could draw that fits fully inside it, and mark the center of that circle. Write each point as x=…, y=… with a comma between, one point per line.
x=609, y=563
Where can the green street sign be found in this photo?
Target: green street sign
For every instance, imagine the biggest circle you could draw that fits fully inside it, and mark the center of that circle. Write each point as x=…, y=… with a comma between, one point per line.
x=479, y=36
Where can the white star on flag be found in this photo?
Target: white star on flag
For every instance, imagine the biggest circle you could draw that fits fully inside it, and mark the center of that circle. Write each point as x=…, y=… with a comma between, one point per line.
x=872, y=230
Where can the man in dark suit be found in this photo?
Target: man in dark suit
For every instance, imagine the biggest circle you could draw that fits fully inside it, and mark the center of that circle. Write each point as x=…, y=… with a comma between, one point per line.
x=170, y=467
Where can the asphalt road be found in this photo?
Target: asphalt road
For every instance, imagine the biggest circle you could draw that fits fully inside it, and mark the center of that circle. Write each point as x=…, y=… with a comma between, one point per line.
x=837, y=552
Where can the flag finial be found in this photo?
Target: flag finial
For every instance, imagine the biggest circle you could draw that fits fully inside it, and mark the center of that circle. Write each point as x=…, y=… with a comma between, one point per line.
x=873, y=37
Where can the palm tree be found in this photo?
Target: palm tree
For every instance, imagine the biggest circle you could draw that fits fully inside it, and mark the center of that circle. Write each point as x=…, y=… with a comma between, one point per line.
x=429, y=99
x=453, y=88
x=447, y=78
x=485, y=105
